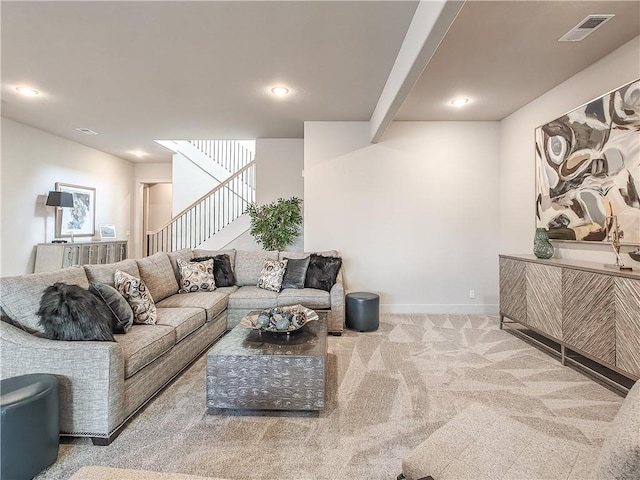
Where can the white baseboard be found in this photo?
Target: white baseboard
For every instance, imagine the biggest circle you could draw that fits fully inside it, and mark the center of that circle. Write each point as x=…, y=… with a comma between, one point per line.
x=468, y=309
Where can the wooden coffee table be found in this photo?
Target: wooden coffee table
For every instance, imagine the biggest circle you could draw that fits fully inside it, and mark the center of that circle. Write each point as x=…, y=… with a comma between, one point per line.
x=253, y=370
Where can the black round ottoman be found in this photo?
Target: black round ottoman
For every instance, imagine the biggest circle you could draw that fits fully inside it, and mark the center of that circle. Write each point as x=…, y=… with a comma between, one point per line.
x=30, y=425
x=363, y=311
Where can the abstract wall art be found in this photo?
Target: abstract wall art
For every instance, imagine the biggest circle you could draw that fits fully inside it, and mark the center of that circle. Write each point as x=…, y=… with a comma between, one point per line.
x=588, y=169
x=78, y=221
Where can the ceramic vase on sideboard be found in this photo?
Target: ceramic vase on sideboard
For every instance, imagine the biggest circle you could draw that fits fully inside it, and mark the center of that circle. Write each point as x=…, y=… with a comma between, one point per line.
x=542, y=247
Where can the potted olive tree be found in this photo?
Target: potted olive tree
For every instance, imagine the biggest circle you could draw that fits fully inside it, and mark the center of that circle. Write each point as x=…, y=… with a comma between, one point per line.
x=277, y=224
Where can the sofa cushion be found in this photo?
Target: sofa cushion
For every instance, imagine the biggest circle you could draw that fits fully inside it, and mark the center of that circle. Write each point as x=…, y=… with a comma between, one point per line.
x=212, y=302
x=158, y=275
x=199, y=252
x=196, y=276
x=253, y=297
x=184, y=254
x=104, y=273
x=308, y=297
x=620, y=454
x=137, y=294
x=296, y=272
x=143, y=344
x=119, y=307
x=227, y=290
x=272, y=274
x=184, y=320
x=322, y=272
x=20, y=295
x=249, y=265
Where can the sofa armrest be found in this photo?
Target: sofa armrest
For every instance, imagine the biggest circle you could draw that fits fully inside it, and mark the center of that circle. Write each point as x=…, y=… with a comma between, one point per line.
x=91, y=376
x=336, y=321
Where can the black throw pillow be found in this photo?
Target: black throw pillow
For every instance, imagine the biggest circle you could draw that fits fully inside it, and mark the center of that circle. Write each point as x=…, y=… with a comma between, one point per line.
x=322, y=272
x=296, y=272
x=121, y=313
x=69, y=312
x=222, y=271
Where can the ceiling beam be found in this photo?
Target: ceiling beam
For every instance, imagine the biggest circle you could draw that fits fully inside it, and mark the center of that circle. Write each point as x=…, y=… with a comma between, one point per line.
x=428, y=27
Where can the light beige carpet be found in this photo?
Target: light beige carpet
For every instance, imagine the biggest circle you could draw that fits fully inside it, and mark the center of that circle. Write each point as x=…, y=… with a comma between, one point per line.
x=108, y=473
x=387, y=391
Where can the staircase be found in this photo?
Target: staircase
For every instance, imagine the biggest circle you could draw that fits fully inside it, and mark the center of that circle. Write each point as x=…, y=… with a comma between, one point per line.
x=234, y=165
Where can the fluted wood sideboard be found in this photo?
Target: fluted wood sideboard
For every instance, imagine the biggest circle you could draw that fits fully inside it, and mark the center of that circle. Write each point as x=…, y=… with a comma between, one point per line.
x=584, y=307
x=54, y=256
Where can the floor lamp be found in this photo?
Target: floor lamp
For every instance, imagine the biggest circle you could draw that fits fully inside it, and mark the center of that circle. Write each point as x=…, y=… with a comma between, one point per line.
x=58, y=200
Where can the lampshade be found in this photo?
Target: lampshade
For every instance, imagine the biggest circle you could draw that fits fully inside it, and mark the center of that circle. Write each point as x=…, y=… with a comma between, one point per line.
x=60, y=199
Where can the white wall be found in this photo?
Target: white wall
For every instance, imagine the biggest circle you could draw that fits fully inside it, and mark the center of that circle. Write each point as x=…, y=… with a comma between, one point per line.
x=32, y=162
x=189, y=182
x=414, y=216
x=279, y=165
x=517, y=175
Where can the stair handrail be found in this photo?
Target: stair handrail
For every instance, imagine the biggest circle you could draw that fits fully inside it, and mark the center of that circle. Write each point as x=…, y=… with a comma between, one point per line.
x=220, y=152
x=203, y=197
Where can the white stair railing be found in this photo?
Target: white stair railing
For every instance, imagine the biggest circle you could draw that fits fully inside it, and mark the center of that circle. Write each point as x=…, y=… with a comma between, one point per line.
x=232, y=155
x=207, y=215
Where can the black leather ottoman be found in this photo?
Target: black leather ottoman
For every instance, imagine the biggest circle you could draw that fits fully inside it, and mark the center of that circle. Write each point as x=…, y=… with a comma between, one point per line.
x=363, y=311
x=30, y=425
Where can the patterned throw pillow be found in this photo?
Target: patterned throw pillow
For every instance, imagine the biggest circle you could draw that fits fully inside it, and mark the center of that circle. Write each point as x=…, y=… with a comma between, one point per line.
x=136, y=293
x=272, y=274
x=196, y=276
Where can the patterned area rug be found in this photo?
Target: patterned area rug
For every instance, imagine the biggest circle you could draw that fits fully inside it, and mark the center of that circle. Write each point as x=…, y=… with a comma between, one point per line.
x=386, y=392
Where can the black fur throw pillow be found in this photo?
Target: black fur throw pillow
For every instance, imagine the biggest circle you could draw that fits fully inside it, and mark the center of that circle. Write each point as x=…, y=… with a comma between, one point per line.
x=322, y=272
x=222, y=271
x=69, y=312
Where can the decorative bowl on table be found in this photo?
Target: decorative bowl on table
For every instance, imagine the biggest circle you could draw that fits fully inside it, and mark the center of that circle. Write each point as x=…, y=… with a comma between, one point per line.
x=635, y=255
x=280, y=319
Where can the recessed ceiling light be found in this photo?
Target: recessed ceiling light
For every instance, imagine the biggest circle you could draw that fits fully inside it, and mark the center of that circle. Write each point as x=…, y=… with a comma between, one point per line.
x=27, y=92
x=458, y=102
x=280, y=91
x=139, y=153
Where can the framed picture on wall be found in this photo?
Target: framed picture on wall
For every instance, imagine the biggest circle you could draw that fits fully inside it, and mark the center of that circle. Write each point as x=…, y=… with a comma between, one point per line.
x=78, y=221
x=588, y=169
x=107, y=231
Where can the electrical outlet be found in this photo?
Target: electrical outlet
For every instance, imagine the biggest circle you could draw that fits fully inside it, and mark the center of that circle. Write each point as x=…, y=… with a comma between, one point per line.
x=472, y=294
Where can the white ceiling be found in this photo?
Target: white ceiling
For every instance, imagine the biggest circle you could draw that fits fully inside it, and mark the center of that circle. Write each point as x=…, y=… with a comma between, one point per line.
x=139, y=71
x=504, y=54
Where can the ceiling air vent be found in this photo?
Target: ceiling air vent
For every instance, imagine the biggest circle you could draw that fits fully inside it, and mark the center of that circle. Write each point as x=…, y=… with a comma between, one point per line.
x=587, y=26
x=86, y=131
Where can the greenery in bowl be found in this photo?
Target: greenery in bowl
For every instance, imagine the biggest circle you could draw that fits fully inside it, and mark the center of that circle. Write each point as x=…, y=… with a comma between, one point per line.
x=276, y=225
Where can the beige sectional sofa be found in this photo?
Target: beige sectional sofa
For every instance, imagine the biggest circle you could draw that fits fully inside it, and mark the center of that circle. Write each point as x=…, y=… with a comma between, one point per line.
x=103, y=384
